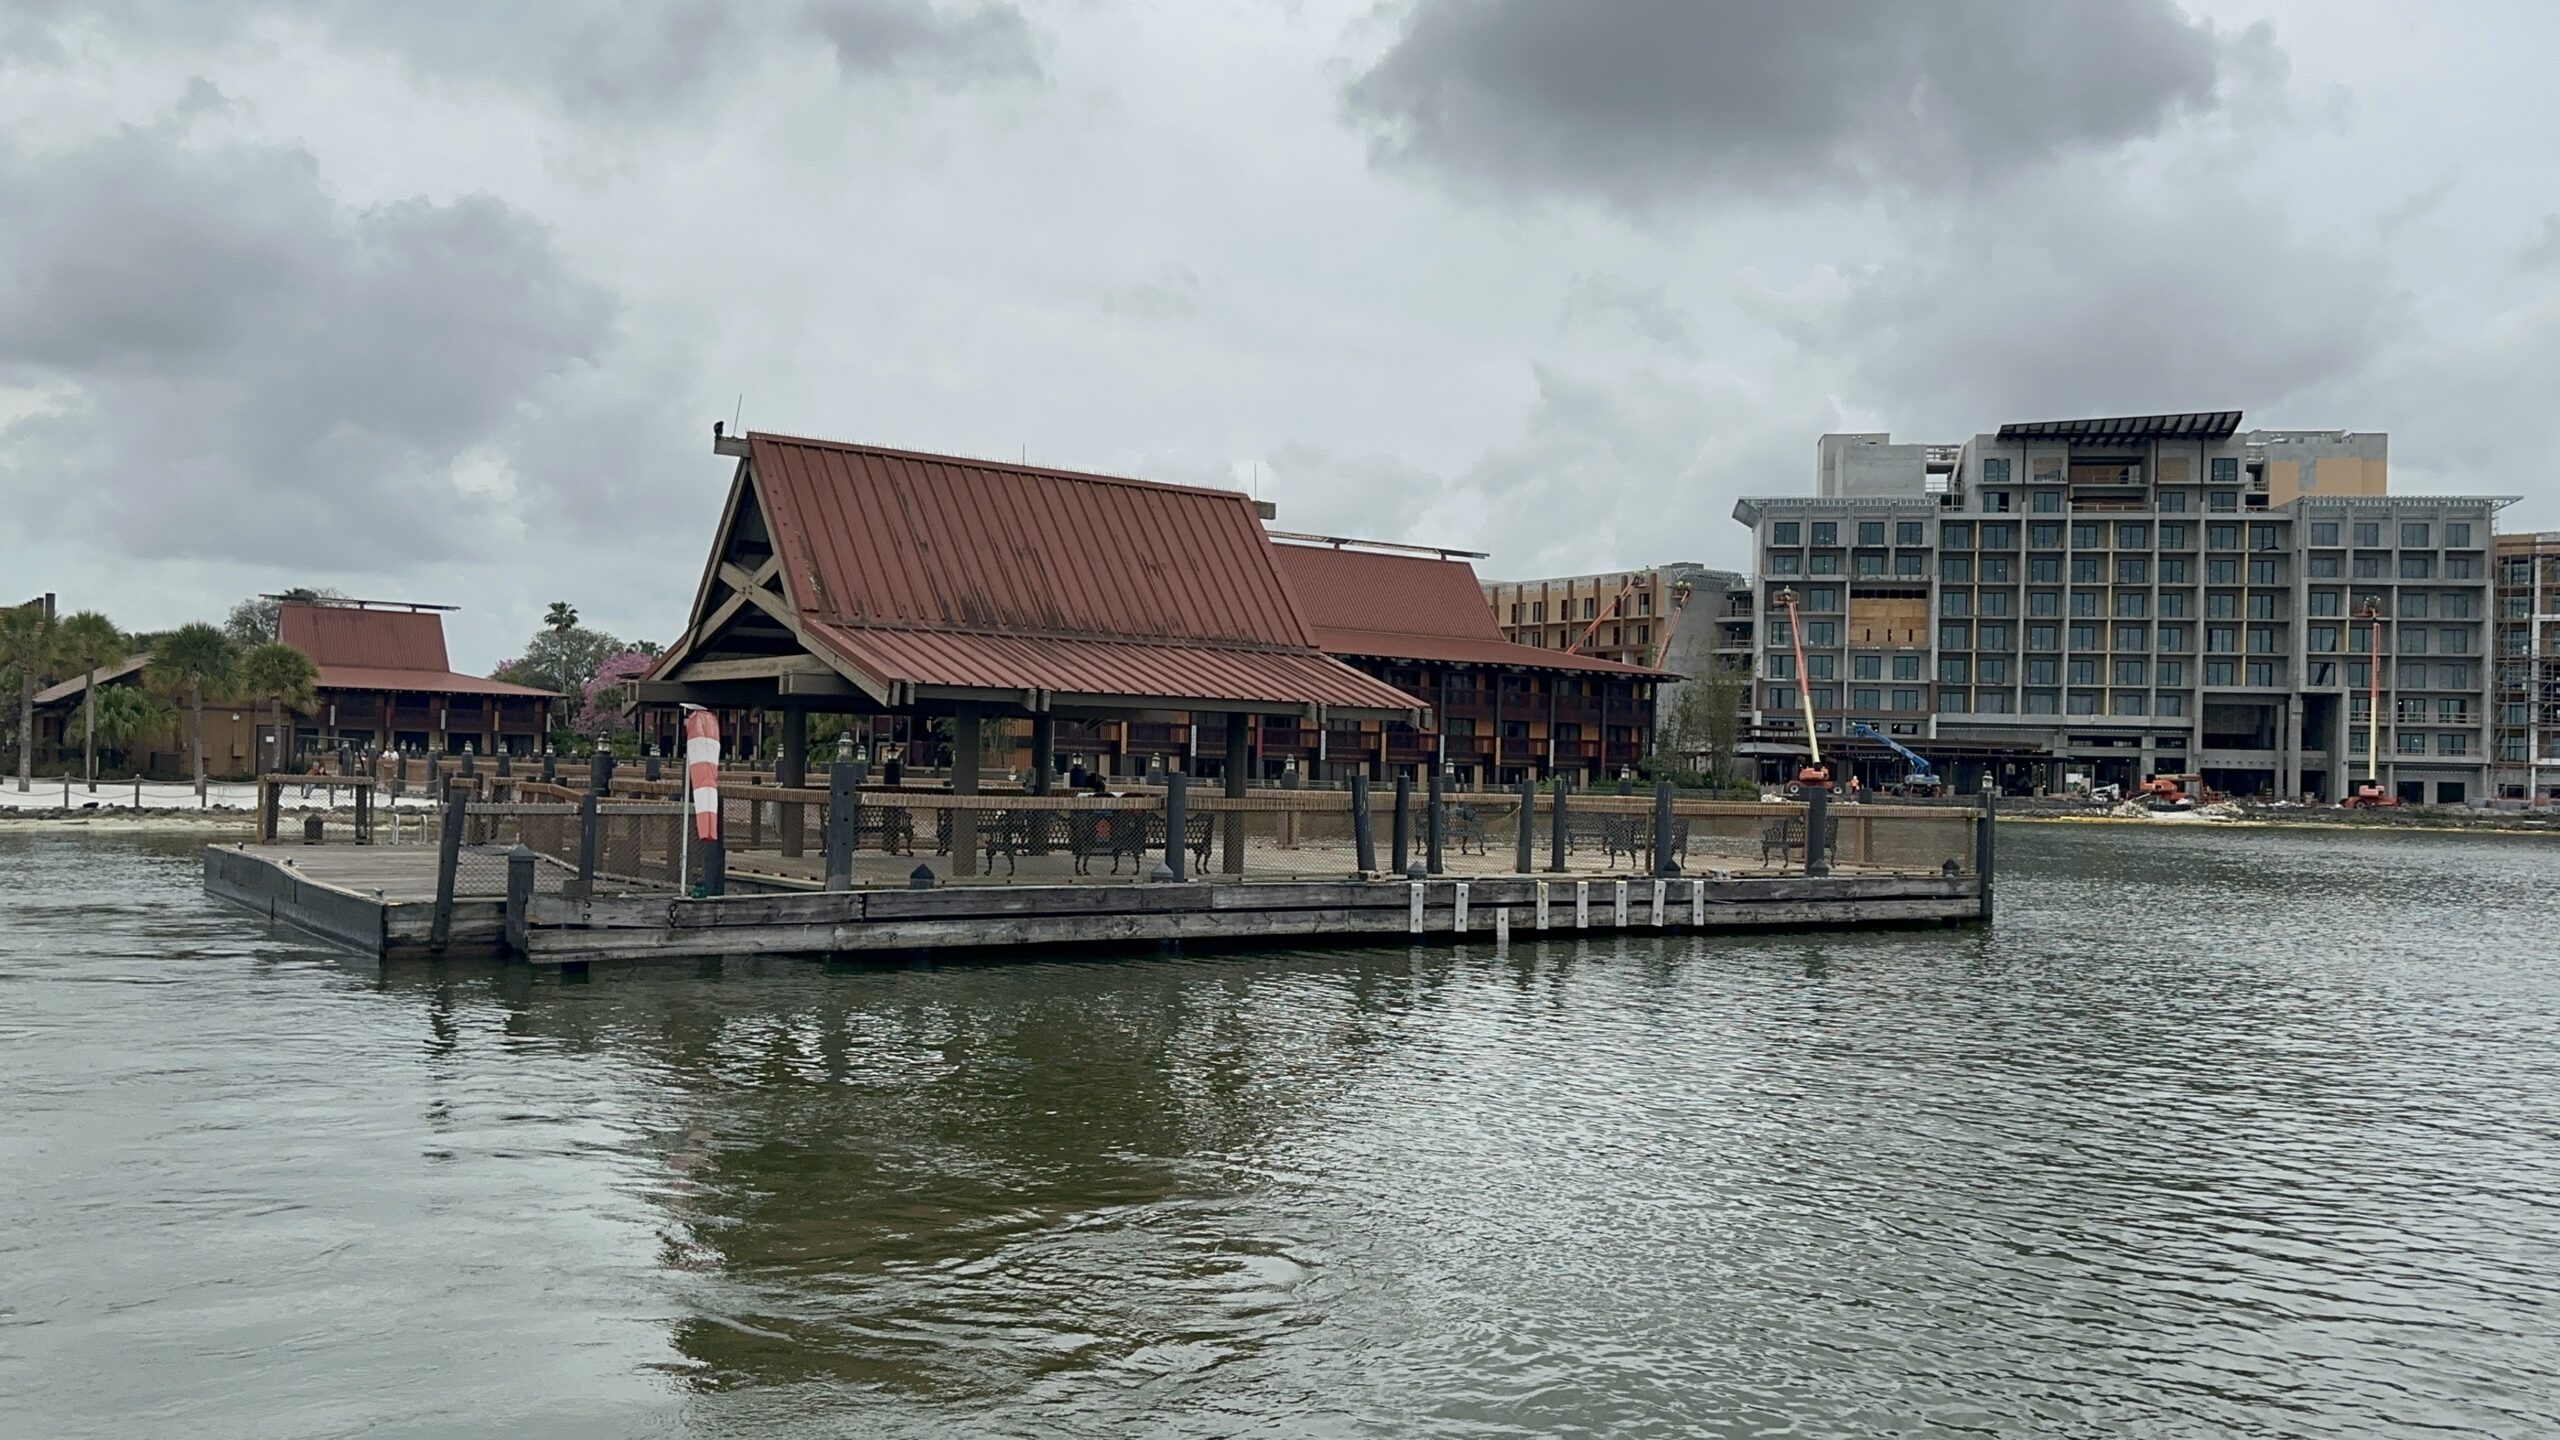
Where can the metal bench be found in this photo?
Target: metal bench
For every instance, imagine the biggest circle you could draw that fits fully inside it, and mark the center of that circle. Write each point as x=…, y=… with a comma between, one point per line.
x=1783, y=838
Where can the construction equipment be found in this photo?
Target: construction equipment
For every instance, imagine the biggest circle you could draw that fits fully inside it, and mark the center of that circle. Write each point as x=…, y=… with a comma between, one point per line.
x=2171, y=792
x=1680, y=590
x=1624, y=590
x=1815, y=773
x=1920, y=778
x=2369, y=792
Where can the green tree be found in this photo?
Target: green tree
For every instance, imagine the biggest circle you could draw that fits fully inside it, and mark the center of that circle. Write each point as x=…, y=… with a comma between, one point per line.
x=195, y=660
x=90, y=643
x=30, y=644
x=280, y=678
x=252, y=622
x=561, y=616
x=127, y=716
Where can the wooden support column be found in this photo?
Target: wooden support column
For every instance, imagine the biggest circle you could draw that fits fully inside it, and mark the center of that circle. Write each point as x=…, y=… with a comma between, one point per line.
x=793, y=774
x=1239, y=761
x=1044, y=750
x=965, y=726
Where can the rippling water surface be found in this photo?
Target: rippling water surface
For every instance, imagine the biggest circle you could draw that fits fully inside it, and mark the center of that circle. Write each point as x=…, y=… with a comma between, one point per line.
x=2228, y=1133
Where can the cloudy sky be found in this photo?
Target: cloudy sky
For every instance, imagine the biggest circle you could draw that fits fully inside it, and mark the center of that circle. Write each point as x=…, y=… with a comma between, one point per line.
x=439, y=302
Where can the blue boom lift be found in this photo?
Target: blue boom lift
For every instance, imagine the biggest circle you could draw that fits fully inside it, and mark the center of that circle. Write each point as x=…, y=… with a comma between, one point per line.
x=1922, y=778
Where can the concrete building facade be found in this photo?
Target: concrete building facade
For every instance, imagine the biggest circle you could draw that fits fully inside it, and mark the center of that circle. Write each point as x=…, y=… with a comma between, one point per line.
x=1682, y=617
x=2115, y=598
x=2526, y=723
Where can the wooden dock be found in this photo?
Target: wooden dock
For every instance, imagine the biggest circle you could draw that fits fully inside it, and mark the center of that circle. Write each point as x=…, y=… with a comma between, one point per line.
x=380, y=901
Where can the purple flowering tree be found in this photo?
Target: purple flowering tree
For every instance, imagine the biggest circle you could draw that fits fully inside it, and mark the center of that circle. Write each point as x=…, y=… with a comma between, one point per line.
x=599, y=707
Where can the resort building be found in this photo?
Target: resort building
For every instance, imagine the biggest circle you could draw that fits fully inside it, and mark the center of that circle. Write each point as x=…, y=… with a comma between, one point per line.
x=1682, y=617
x=2526, y=723
x=385, y=682
x=1501, y=712
x=2112, y=598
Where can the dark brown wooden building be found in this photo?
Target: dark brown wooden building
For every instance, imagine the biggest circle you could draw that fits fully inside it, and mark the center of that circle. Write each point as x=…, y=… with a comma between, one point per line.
x=385, y=682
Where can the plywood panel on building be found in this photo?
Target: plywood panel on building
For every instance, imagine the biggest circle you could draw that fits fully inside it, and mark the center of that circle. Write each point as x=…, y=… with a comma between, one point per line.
x=1888, y=620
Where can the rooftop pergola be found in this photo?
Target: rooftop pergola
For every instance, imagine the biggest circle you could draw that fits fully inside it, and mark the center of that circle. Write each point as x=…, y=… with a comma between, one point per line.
x=859, y=580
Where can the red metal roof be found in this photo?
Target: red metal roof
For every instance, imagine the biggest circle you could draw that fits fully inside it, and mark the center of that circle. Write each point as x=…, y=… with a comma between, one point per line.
x=940, y=570
x=358, y=649
x=1416, y=607
x=345, y=635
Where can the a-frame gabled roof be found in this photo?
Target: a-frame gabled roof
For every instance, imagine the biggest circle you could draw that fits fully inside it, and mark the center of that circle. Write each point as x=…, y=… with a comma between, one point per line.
x=921, y=577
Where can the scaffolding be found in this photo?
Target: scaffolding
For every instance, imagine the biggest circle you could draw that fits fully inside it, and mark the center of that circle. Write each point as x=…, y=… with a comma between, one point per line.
x=2525, y=701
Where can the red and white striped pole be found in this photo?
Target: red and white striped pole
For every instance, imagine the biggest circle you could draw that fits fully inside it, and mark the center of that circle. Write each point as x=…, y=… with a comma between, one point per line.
x=702, y=780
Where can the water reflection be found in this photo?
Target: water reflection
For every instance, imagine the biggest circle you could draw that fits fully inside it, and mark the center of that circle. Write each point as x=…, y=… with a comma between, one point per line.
x=2241, y=1134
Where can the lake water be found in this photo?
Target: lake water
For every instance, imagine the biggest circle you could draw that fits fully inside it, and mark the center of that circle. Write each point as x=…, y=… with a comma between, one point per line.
x=2215, y=1134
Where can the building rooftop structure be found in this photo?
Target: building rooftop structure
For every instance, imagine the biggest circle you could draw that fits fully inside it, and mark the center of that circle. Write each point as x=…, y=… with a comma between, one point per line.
x=1390, y=606
x=361, y=647
x=865, y=578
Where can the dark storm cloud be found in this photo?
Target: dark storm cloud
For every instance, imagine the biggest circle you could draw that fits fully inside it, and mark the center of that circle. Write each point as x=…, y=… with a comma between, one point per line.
x=1637, y=101
x=602, y=59
x=221, y=346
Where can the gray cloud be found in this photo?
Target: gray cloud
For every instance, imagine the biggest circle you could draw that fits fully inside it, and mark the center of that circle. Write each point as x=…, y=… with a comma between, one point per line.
x=1636, y=101
x=1600, y=300
x=223, y=346
x=626, y=60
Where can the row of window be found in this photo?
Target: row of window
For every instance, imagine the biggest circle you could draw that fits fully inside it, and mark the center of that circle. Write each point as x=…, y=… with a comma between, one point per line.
x=2049, y=471
x=2414, y=534
x=2125, y=534
x=1533, y=612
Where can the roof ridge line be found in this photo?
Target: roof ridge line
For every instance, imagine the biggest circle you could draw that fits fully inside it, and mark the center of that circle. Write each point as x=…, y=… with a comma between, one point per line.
x=1048, y=472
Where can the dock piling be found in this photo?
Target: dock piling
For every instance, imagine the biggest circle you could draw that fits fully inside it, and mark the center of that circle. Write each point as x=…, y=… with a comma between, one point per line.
x=448, y=861
x=1666, y=855
x=1558, y=840
x=1527, y=860
x=1435, y=820
x=844, y=800
x=1364, y=831
x=1177, y=807
x=520, y=870
x=1817, y=828
x=589, y=824
x=1403, y=833
x=1985, y=849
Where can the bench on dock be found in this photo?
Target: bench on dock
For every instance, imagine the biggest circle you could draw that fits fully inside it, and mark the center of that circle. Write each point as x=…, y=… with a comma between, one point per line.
x=1785, y=838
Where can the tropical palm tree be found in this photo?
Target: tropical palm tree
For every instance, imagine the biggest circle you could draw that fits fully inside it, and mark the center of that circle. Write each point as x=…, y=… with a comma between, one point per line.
x=29, y=644
x=281, y=678
x=129, y=715
x=195, y=660
x=562, y=616
x=90, y=643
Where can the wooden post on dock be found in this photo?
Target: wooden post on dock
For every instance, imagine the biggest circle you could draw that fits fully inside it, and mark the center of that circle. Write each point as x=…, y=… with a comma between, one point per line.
x=1177, y=824
x=364, y=814
x=793, y=774
x=599, y=771
x=270, y=799
x=1404, y=825
x=520, y=871
x=1239, y=773
x=448, y=860
x=1985, y=851
x=1558, y=839
x=1817, y=826
x=589, y=825
x=550, y=766
x=1525, y=858
x=1435, y=823
x=1364, y=831
x=1666, y=855
x=1044, y=752
x=965, y=732
x=844, y=801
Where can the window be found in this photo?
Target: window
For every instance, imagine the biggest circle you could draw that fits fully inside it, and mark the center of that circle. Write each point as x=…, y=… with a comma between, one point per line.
x=2130, y=672
x=2001, y=535
x=1906, y=667
x=2454, y=674
x=2324, y=532
x=2122, y=703
x=2457, y=535
x=2087, y=569
x=1869, y=563
x=1958, y=603
x=1866, y=667
x=2044, y=502
x=2412, y=743
x=2133, y=637
x=1822, y=597
x=1953, y=670
x=1955, y=567
x=2323, y=673
x=1995, y=471
x=2413, y=674
x=1955, y=637
x=2413, y=535
x=1861, y=699
x=2044, y=537
x=2226, y=470
x=2133, y=570
x=1821, y=632
x=2222, y=572
x=2173, y=604
x=2262, y=572
x=2173, y=638
x=2460, y=567
x=2222, y=639
x=1780, y=697
x=2453, y=710
x=2264, y=640
x=2043, y=637
x=1991, y=637
x=2084, y=637
x=2173, y=704
x=1906, y=700
x=1871, y=532
x=1785, y=562
x=2456, y=605
x=2262, y=606
x=1826, y=562
x=2084, y=602
x=2453, y=742
x=2417, y=567
x=2323, y=639
x=2262, y=535
x=2084, y=702
x=1826, y=532
x=2221, y=672
x=2173, y=535
x=2044, y=602
x=2413, y=604
x=1907, y=532
x=2368, y=533
x=2132, y=605
x=2453, y=642
x=2170, y=672
x=2224, y=500
x=2325, y=567
x=1786, y=532
x=2328, y=602
x=2173, y=570
x=1908, y=562
x=2040, y=672
x=2222, y=537
x=1955, y=535
x=2222, y=605
x=2084, y=536
x=1995, y=602
x=2132, y=535
x=2045, y=569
